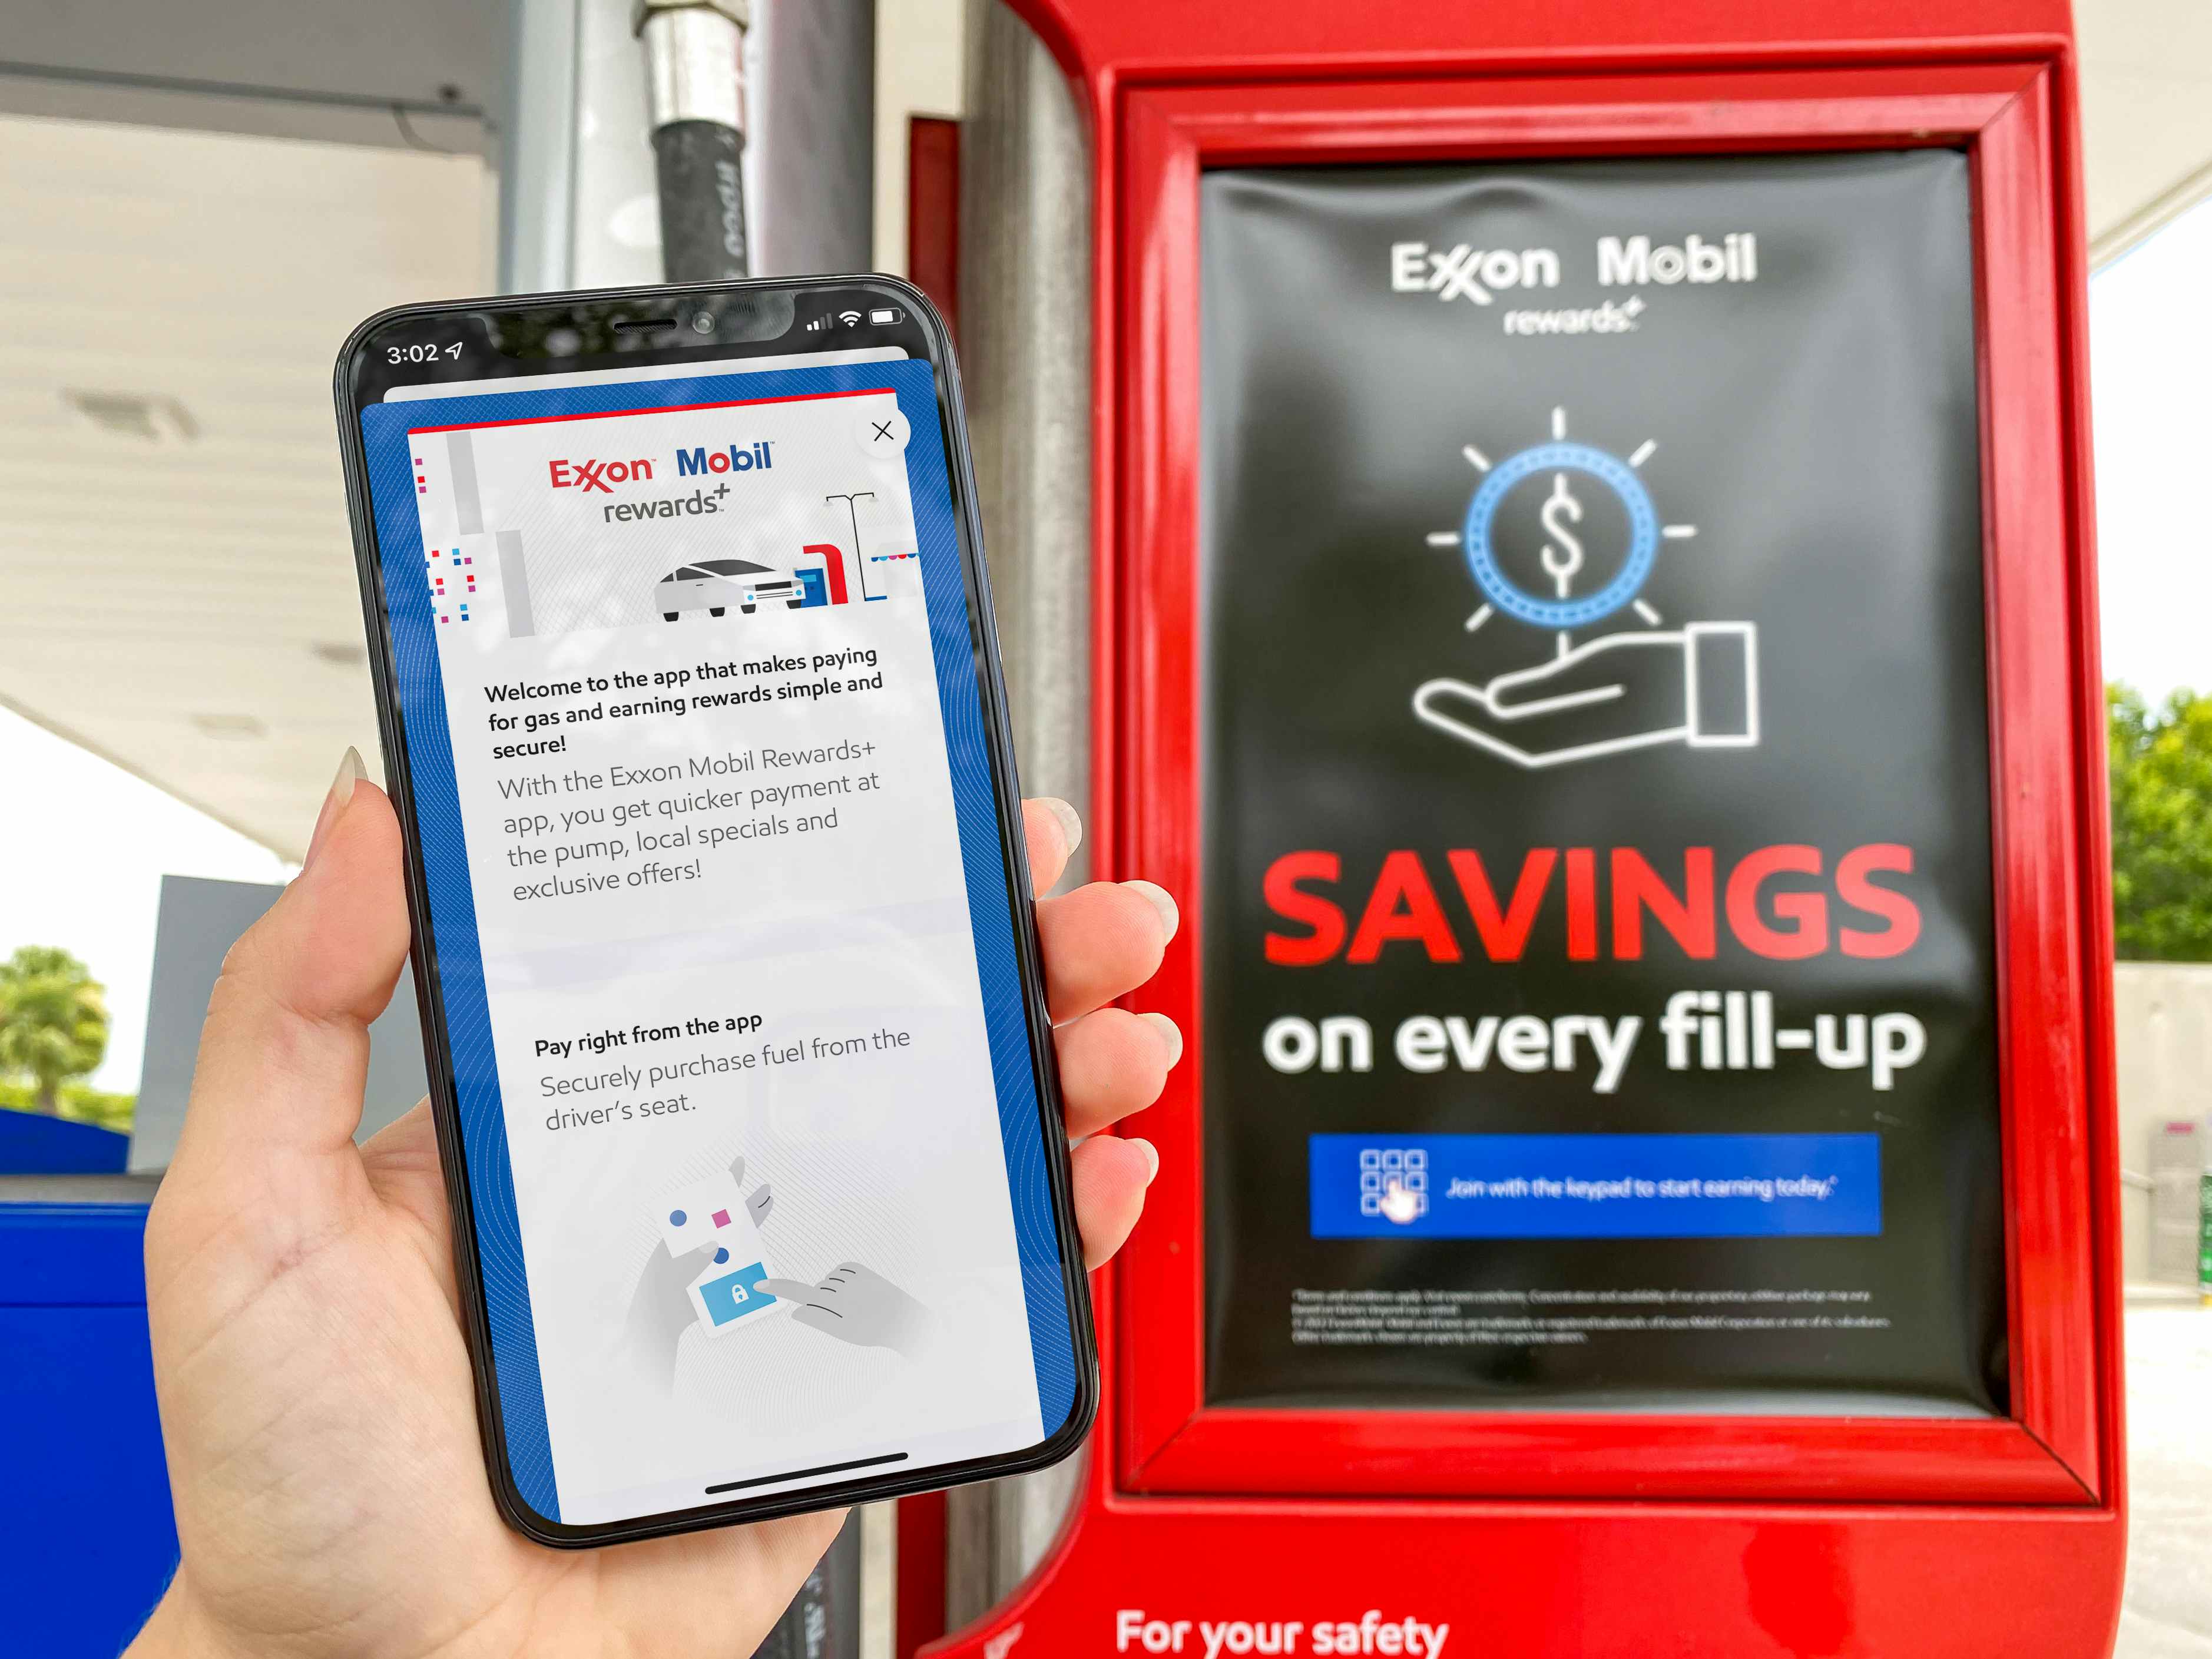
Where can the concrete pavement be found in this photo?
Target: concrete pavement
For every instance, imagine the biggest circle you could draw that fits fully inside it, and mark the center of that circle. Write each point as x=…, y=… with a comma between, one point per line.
x=2167, y=1611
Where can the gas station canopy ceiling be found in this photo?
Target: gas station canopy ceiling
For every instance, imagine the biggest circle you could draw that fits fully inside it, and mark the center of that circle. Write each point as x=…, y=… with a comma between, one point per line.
x=171, y=527
x=2147, y=115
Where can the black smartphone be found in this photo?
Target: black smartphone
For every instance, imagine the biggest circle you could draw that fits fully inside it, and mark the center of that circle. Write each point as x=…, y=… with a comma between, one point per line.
x=692, y=714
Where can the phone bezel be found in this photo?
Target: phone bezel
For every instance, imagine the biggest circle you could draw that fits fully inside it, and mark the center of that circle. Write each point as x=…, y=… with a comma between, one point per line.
x=1006, y=797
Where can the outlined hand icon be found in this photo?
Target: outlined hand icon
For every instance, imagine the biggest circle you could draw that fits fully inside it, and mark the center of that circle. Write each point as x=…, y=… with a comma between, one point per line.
x=1698, y=686
x=1400, y=1203
x=859, y=1305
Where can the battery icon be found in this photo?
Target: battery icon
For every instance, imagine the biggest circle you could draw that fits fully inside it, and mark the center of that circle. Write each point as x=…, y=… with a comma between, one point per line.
x=883, y=314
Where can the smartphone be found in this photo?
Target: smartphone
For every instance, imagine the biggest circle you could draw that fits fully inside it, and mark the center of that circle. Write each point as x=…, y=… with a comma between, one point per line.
x=737, y=1037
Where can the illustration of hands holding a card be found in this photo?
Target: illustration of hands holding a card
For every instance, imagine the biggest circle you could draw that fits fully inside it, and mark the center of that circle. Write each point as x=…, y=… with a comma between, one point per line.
x=707, y=1273
x=714, y=1272
x=711, y=1225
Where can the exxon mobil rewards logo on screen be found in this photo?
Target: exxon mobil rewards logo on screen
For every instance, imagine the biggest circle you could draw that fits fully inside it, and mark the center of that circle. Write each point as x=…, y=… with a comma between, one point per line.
x=593, y=473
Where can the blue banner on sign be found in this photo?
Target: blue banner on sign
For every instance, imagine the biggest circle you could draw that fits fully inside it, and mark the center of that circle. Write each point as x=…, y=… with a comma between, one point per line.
x=1385, y=1186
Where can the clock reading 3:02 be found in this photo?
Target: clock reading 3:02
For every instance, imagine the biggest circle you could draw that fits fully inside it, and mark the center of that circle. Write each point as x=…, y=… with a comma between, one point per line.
x=421, y=354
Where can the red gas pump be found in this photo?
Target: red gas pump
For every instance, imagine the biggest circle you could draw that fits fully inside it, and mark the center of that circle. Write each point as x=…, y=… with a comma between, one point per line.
x=1593, y=571
x=833, y=568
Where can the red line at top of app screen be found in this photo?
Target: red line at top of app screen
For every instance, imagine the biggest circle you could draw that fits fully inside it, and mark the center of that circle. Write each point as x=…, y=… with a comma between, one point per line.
x=652, y=408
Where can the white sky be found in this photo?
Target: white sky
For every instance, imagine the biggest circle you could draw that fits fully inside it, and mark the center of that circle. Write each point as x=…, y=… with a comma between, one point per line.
x=2150, y=363
x=83, y=846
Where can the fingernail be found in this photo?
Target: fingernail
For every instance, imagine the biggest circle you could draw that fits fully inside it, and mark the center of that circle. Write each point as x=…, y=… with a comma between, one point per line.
x=350, y=773
x=1161, y=900
x=1069, y=820
x=1151, y=1159
x=1170, y=1033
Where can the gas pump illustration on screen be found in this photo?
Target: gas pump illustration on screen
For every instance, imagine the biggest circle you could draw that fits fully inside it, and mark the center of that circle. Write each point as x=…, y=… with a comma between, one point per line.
x=1595, y=538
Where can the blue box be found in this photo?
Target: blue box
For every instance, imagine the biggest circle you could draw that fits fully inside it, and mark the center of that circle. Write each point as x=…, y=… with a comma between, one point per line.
x=1595, y=1186
x=734, y=1295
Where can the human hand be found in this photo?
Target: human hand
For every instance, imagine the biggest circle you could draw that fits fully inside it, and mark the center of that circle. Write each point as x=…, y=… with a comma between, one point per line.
x=316, y=1400
x=1618, y=692
x=859, y=1305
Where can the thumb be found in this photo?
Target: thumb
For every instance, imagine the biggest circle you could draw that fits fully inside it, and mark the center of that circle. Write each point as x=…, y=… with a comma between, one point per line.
x=1550, y=688
x=1456, y=706
x=284, y=1055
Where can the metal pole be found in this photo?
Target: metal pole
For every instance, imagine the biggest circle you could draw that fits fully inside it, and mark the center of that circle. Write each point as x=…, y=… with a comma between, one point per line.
x=695, y=66
x=537, y=149
x=1025, y=282
x=852, y=512
x=824, y=1619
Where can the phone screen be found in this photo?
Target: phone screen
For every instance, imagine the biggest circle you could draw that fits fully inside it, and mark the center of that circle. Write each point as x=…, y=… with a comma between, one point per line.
x=688, y=678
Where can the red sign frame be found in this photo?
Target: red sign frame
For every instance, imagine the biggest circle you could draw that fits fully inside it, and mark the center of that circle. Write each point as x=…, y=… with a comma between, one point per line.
x=2048, y=1452
x=1823, y=1534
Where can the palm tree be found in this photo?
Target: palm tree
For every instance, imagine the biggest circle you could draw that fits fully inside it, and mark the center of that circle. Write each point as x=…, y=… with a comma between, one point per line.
x=53, y=1020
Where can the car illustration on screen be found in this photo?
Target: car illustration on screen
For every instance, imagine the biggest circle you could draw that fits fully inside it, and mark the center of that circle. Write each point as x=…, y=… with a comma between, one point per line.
x=714, y=585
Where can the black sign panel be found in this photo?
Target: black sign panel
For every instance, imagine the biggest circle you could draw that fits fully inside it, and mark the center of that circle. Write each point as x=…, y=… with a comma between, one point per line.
x=1599, y=972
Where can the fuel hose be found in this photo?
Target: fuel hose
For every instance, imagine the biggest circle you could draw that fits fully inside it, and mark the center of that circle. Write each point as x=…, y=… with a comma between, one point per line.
x=694, y=69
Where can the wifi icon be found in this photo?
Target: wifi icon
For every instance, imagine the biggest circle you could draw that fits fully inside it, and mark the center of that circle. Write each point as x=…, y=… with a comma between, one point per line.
x=850, y=318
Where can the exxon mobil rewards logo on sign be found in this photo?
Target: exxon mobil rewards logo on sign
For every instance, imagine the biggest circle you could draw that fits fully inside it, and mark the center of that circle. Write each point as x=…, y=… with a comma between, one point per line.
x=1464, y=272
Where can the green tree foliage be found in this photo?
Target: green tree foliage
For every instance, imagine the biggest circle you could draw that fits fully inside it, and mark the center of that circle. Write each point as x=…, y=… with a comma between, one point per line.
x=2161, y=761
x=54, y=1020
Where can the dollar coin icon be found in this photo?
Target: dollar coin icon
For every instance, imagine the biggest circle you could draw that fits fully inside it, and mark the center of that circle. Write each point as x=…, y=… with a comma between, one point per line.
x=1595, y=515
x=1563, y=554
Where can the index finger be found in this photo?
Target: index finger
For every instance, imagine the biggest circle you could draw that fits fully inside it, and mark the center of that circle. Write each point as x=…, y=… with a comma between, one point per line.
x=786, y=1290
x=1055, y=830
